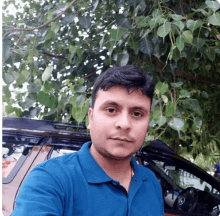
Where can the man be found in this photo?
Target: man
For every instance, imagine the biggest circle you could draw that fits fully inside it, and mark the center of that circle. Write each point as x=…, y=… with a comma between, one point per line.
x=217, y=170
x=102, y=178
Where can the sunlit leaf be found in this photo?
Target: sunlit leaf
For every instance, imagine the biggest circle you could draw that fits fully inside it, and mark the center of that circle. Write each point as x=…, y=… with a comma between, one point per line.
x=176, y=124
x=180, y=43
x=161, y=88
x=164, y=29
x=122, y=59
x=116, y=34
x=142, y=21
x=193, y=25
x=170, y=108
x=47, y=73
x=214, y=19
x=187, y=35
x=176, y=17
x=213, y=5
x=184, y=94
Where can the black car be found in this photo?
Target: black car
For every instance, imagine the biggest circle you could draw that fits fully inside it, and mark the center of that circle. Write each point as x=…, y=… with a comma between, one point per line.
x=187, y=189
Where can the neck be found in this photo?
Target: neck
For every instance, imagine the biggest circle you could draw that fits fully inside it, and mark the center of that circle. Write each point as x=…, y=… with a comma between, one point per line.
x=119, y=170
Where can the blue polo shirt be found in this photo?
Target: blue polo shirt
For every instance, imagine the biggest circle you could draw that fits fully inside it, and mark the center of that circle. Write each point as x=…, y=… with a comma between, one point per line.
x=75, y=184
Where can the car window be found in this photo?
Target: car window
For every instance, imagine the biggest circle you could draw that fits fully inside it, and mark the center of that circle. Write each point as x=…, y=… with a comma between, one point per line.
x=58, y=152
x=13, y=155
x=182, y=179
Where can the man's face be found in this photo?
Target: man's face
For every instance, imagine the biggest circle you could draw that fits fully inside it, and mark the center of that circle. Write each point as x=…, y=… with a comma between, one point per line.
x=119, y=122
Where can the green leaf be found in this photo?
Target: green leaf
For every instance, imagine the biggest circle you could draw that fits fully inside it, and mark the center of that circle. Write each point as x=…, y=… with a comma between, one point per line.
x=8, y=78
x=164, y=29
x=213, y=5
x=161, y=121
x=79, y=113
x=6, y=92
x=170, y=108
x=6, y=48
x=187, y=35
x=199, y=42
x=35, y=87
x=110, y=45
x=80, y=88
x=80, y=100
x=122, y=58
x=177, y=84
x=146, y=45
x=176, y=124
x=79, y=51
x=214, y=19
x=193, y=25
x=156, y=21
x=52, y=101
x=43, y=97
x=133, y=44
x=210, y=53
x=28, y=103
x=47, y=73
x=179, y=24
x=161, y=88
x=84, y=21
x=23, y=77
x=116, y=34
x=142, y=21
x=184, y=94
x=74, y=31
x=48, y=86
x=9, y=109
x=123, y=22
x=180, y=43
x=197, y=123
x=157, y=12
x=155, y=114
x=205, y=95
x=149, y=138
x=176, y=17
x=191, y=104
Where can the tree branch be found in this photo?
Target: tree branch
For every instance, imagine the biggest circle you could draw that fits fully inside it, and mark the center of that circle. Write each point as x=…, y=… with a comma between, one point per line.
x=45, y=24
x=199, y=78
x=54, y=55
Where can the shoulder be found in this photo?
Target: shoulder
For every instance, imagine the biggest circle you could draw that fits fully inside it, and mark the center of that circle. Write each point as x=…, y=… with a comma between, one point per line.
x=146, y=172
x=55, y=166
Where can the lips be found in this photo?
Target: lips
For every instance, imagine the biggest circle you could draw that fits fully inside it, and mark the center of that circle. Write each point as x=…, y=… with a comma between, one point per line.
x=121, y=139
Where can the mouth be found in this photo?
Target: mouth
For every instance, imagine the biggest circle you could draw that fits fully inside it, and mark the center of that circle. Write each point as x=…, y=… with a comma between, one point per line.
x=121, y=139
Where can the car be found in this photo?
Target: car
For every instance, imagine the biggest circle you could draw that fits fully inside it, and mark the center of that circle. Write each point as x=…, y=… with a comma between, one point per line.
x=186, y=188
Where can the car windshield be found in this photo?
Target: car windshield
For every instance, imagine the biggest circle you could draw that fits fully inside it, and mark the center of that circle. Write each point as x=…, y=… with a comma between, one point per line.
x=179, y=178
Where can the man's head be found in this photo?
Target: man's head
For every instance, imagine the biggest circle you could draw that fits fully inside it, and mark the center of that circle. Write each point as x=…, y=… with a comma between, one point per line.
x=129, y=76
x=120, y=112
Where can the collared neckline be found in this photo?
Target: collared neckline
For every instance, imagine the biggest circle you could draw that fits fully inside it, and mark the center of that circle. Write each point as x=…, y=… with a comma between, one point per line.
x=93, y=171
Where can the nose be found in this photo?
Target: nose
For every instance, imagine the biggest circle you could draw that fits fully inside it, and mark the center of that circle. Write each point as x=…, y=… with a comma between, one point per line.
x=123, y=122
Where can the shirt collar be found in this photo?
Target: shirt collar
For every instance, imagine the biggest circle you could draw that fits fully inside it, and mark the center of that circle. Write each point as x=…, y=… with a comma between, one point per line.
x=91, y=169
x=95, y=174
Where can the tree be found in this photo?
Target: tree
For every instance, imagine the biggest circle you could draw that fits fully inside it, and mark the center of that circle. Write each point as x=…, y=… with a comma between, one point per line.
x=57, y=49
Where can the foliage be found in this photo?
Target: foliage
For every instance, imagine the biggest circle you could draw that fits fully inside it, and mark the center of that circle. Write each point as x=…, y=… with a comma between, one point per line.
x=57, y=48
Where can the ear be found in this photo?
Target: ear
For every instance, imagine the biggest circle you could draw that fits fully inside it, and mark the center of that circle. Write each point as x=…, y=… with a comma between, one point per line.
x=90, y=116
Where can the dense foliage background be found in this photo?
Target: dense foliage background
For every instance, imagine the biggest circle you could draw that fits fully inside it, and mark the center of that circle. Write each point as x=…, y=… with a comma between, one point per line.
x=54, y=50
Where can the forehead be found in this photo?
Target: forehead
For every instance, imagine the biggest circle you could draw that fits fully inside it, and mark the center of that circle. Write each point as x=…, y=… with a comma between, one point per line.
x=122, y=96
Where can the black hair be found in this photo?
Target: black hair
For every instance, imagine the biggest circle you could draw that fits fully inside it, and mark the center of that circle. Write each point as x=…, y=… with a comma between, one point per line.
x=129, y=76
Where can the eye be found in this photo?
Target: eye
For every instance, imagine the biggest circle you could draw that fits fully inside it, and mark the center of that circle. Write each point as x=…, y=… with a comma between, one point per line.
x=137, y=114
x=110, y=110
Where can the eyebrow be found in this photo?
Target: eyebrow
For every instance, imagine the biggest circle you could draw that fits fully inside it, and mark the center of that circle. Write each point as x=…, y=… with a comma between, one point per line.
x=117, y=105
